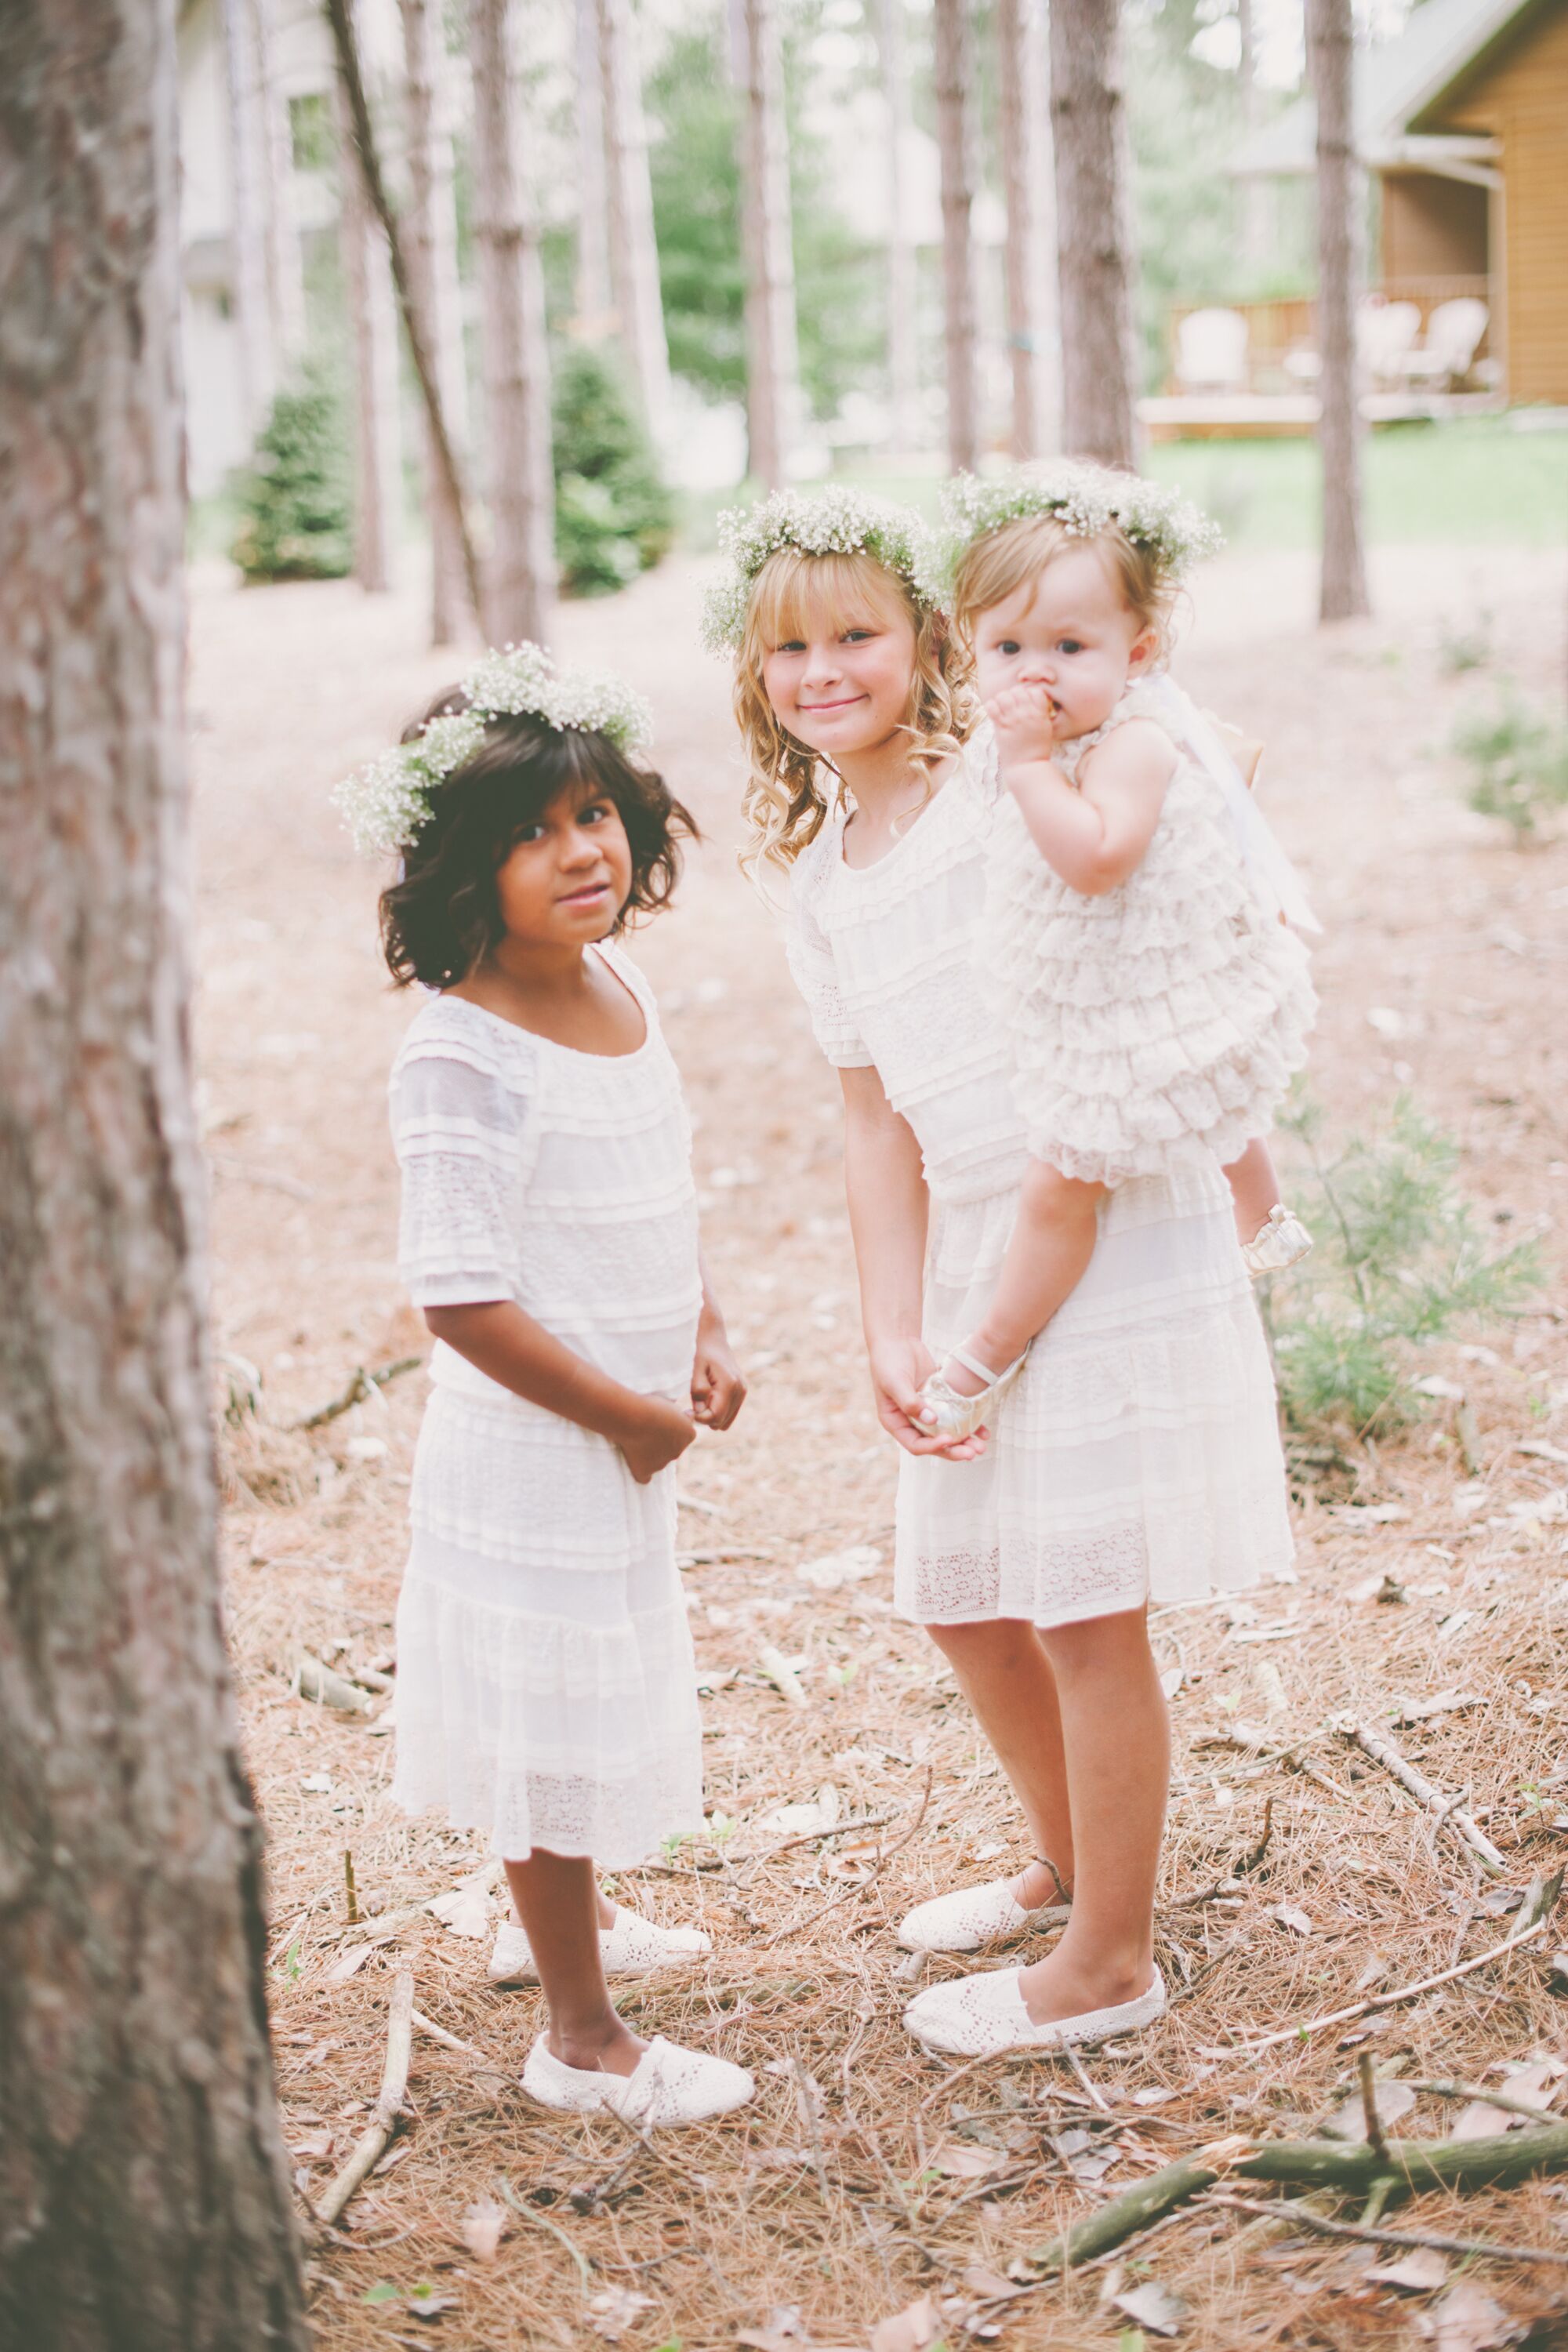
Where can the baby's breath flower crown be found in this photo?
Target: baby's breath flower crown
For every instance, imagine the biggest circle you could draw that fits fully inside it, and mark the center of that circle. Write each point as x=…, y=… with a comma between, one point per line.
x=1086, y=499
x=386, y=803
x=837, y=521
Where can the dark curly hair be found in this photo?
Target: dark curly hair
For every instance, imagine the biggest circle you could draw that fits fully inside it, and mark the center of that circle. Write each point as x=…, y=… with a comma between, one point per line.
x=440, y=917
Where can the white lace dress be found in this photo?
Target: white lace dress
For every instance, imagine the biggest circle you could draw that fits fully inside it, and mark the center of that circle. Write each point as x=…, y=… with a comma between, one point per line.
x=1138, y=1453
x=1168, y=1008
x=546, y=1689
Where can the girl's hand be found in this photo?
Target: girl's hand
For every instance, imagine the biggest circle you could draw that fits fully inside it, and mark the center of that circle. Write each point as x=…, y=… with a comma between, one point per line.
x=658, y=1435
x=1025, y=719
x=718, y=1389
x=898, y=1368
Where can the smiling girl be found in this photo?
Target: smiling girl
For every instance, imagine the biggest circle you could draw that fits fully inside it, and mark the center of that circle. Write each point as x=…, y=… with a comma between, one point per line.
x=546, y=1689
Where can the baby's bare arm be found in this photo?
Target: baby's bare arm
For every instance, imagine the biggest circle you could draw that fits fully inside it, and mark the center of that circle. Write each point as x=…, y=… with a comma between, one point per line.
x=1096, y=835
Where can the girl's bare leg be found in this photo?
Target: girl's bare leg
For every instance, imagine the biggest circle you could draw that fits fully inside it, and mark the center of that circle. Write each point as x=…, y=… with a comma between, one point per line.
x=1253, y=1188
x=1051, y=1245
x=1006, y=1675
x=557, y=1899
x=1116, y=1734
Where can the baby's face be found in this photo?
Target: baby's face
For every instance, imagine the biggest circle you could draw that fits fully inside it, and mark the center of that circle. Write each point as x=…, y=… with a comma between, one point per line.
x=1069, y=631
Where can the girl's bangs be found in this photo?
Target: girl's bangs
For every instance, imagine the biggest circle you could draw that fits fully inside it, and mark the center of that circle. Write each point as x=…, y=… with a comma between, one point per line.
x=799, y=595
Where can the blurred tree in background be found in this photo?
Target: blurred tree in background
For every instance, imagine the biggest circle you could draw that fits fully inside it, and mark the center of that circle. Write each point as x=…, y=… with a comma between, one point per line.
x=296, y=503
x=613, y=515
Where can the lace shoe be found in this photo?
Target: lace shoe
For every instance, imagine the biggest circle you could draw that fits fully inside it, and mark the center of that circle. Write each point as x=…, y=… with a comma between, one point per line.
x=1282, y=1240
x=976, y=2017
x=972, y=1916
x=670, y=2085
x=630, y=1946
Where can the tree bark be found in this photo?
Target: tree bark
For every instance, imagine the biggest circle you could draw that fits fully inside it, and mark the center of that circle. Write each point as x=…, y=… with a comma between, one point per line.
x=430, y=247
x=773, y=355
x=143, y=2178
x=373, y=333
x=519, y=591
x=247, y=225
x=1095, y=271
x=285, y=260
x=633, y=255
x=1025, y=136
x=1254, y=221
x=955, y=147
x=903, y=292
x=593, y=294
x=1331, y=65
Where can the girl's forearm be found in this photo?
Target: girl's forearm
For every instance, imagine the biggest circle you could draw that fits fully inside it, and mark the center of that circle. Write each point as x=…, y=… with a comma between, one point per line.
x=884, y=1181
x=509, y=1348
x=1068, y=831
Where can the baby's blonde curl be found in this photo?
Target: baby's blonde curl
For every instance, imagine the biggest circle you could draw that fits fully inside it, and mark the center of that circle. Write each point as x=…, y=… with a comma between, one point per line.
x=783, y=804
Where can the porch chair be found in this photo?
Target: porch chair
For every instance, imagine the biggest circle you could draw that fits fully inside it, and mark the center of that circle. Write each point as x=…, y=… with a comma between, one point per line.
x=1211, y=351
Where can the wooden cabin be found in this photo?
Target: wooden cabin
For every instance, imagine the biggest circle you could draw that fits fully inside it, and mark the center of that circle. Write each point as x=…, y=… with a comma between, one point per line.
x=1463, y=121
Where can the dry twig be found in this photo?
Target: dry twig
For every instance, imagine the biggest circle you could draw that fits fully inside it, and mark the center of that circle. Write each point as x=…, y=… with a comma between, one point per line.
x=1300, y=2215
x=1445, y=1810
x=358, y=1390
x=371, y=2142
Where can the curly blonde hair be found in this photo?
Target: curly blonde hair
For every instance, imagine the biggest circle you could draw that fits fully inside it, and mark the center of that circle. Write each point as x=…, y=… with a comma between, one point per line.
x=996, y=565
x=783, y=804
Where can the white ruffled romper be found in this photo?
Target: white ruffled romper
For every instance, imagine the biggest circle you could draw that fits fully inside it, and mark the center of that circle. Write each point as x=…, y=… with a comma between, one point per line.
x=1137, y=1455
x=1168, y=1008
x=546, y=1687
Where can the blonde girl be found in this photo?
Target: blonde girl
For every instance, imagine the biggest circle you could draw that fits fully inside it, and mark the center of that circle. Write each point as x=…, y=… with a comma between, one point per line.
x=1137, y=1449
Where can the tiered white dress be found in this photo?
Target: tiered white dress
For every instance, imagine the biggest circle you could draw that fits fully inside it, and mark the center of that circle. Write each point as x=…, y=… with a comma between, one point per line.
x=1138, y=1453
x=1170, y=1007
x=546, y=1688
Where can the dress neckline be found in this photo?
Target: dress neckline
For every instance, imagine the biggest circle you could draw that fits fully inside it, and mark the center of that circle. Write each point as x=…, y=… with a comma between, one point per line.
x=578, y=1053
x=921, y=817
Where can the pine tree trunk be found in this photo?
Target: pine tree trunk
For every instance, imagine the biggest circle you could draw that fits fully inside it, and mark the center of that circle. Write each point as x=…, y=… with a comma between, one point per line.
x=1254, y=218
x=143, y=2178
x=248, y=223
x=1330, y=64
x=430, y=250
x=373, y=329
x=955, y=146
x=1022, y=105
x=1094, y=237
x=519, y=593
x=902, y=283
x=772, y=356
x=593, y=295
x=285, y=259
x=633, y=255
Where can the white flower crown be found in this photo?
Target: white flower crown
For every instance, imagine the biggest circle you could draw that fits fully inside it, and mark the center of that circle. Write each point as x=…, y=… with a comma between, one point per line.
x=1086, y=499
x=386, y=803
x=837, y=521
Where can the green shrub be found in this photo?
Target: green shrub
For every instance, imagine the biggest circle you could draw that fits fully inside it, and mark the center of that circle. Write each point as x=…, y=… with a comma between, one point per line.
x=296, y=506
x=613, y=515
x=1400, y=1260
x=1518, y=759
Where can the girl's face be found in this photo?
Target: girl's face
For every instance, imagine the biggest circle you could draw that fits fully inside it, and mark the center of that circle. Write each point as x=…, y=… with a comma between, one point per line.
x=1068, y=631
x=843, y=685
x=567, y=876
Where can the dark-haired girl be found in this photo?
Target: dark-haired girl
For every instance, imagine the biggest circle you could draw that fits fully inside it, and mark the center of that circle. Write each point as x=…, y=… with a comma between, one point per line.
x=546, y=1689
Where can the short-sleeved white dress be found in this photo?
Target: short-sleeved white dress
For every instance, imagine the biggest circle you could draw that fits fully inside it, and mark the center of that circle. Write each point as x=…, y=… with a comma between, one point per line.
x=1137, y=1455
x=546, y=1688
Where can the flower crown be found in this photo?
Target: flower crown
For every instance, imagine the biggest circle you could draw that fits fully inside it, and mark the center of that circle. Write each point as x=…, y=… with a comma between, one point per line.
x=837, y=521
x=1086, y=499
x=386, y=803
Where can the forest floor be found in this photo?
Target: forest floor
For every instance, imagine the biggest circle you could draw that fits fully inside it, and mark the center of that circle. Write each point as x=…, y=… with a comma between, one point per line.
x=866, y=2178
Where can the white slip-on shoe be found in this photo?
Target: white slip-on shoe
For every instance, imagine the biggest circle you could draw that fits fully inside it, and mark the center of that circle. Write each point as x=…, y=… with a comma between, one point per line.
x=1281, y=1241
x=972, y=1916
x=976, y=2017
x=630, y=1946
x=670, y=2085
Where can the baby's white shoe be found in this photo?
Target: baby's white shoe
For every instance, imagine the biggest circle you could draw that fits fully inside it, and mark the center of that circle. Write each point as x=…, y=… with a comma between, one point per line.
x=972, y=1916
x=670, y=2085
x=1281, y=1240
x=977, y=2017
x=943, y=1411
x=630, y=1946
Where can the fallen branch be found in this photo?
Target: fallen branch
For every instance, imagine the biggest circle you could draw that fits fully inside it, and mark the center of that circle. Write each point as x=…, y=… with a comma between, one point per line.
x=358, y=1390
x=314, y=1680
x=526, y=2213
x=371, y=2142
x=423, y=2025
x=1247, y=1741
x=860, y=1885
x=1370, y=2117
x=1346, y=2171
x=1539, y=1907
x=1466, y=2092
x=776, y=1667
x=1447, y=1811
x=1409, y=2239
